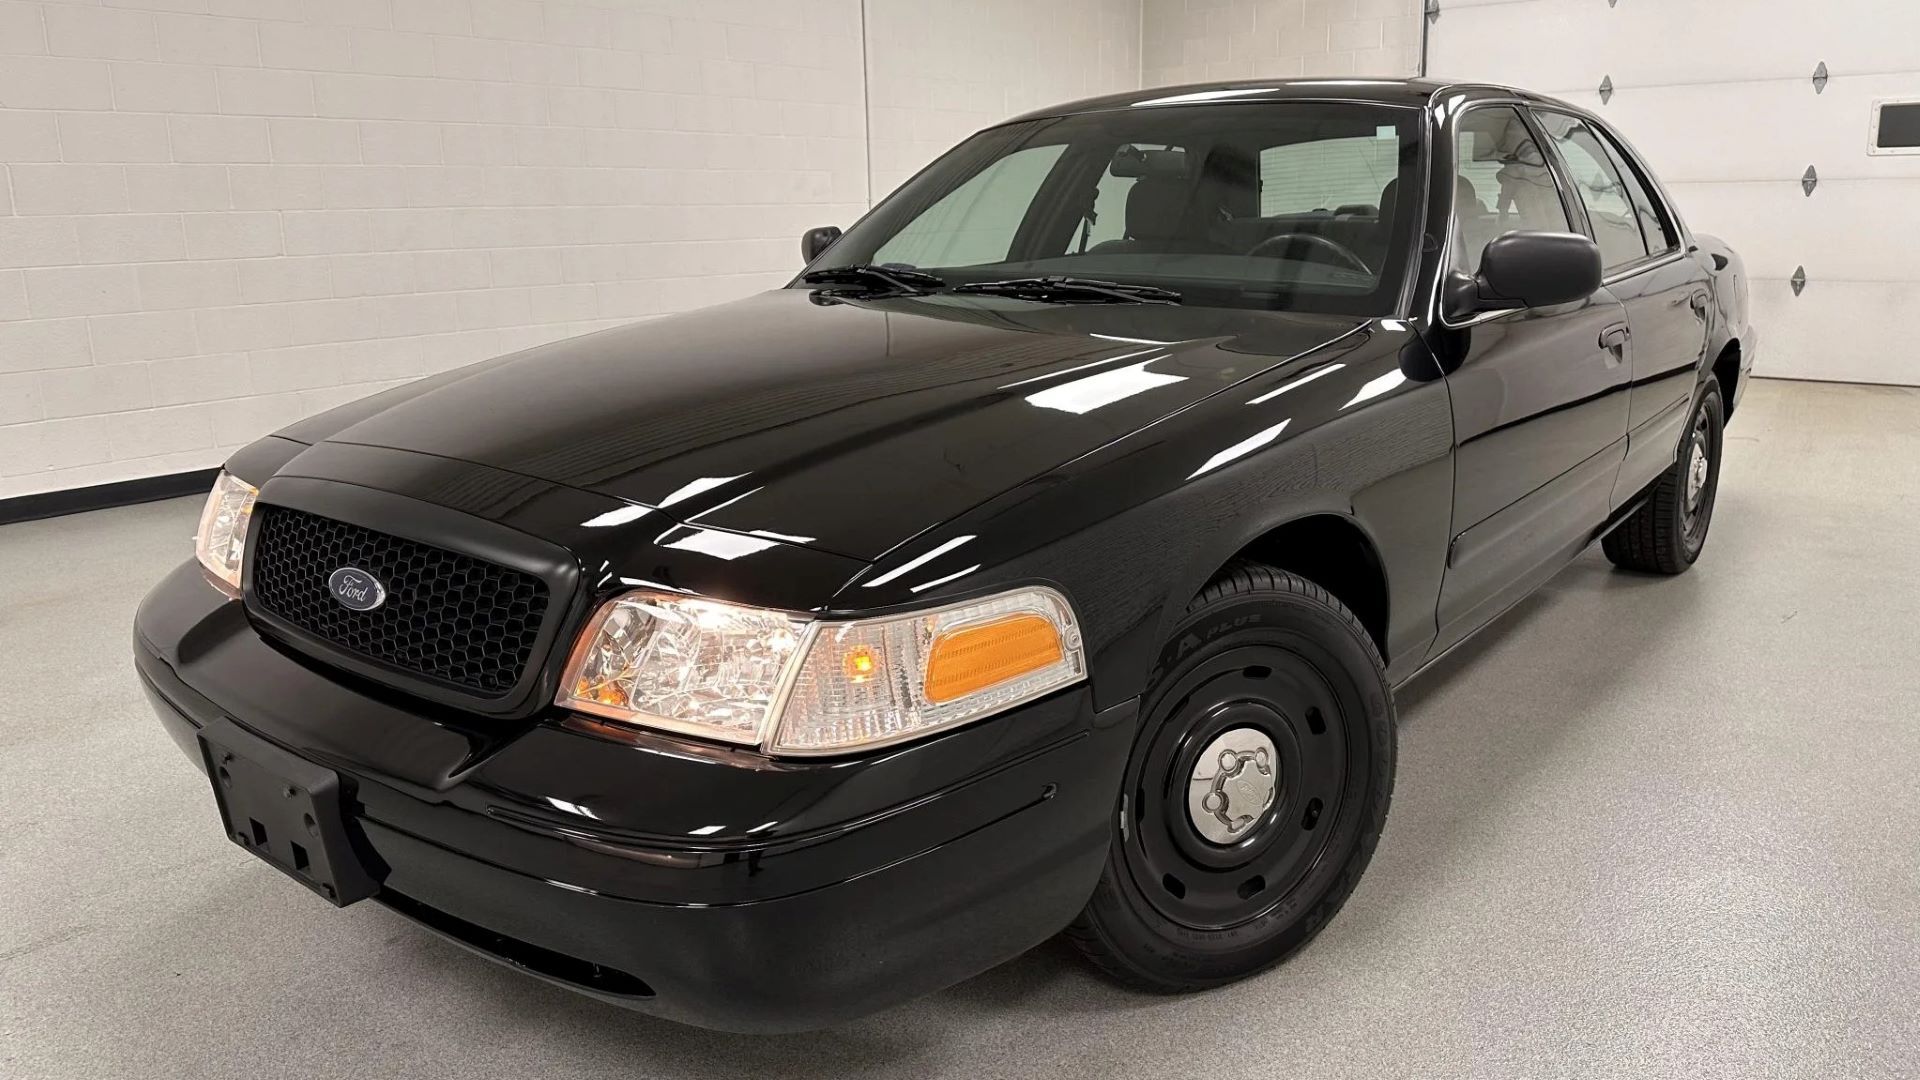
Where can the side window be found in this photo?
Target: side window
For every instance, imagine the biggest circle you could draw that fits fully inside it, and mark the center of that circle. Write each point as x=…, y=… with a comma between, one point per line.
x=976, y=221
x=1654, y=228
x=1501, y=183
x=1328, y=174
x=1616, y=227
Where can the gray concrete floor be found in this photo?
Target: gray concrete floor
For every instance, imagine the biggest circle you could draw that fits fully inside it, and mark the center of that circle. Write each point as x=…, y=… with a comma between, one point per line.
x=1643, y=828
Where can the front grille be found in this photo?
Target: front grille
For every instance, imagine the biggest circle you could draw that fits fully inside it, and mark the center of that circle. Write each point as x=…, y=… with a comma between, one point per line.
x=450, y=618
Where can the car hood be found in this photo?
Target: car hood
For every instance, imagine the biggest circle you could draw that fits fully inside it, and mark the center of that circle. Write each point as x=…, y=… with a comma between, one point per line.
x=848, y=426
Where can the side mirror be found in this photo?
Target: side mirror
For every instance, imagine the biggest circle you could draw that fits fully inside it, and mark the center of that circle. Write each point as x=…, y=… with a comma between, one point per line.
x=815, y=241
x=1526, y=270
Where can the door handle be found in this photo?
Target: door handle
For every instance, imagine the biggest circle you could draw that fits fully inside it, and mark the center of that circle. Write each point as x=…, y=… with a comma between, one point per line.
x=1699, y=302
x=1615, y=337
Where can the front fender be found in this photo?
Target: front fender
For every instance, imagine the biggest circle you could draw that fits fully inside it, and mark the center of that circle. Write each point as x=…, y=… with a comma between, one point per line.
x=1131, y=532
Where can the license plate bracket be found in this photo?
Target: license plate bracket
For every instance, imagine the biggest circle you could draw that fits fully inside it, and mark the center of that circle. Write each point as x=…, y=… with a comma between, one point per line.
x=286, y=810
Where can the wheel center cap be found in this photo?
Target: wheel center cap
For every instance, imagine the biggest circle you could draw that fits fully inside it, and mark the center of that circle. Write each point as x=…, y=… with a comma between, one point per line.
x=1696, y=474
x=1234, y=783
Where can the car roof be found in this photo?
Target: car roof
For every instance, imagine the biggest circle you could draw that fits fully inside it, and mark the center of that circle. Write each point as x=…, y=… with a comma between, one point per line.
x=1405, y=92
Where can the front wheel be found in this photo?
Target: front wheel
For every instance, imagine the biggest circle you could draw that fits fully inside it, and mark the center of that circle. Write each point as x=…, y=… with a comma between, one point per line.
x=1666, y=534
x=1255, y=792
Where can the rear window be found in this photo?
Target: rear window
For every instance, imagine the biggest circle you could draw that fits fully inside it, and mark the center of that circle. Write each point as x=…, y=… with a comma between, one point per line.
x=1329, y=175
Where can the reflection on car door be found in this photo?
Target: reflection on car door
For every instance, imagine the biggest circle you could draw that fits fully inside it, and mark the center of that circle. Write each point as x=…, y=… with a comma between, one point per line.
x=1665, y=290
x=1539, y=395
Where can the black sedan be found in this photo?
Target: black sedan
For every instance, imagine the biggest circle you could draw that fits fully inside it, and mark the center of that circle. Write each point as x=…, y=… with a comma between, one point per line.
x=1044, y=558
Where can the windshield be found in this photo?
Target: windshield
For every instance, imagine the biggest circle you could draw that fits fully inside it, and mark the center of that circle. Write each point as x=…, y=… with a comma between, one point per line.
x=1275, y=206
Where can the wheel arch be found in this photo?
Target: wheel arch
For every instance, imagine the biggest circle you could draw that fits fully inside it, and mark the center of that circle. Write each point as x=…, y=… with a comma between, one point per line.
x=1327, y=547
x=1726, y=369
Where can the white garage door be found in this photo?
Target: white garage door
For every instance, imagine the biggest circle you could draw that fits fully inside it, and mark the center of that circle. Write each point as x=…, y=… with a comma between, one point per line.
x=1719, y=95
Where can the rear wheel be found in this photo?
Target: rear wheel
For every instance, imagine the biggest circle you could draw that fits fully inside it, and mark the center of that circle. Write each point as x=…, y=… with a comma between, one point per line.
x=1256, y=790
x=1669, y=530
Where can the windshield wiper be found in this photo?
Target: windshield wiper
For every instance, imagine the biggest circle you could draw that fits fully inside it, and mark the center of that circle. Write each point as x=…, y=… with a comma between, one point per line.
x=894, y=279
x=1069, y=290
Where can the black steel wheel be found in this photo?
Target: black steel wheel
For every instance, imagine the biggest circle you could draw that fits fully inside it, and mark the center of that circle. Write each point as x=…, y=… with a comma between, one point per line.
x=1256, y=790
x=1667, y=533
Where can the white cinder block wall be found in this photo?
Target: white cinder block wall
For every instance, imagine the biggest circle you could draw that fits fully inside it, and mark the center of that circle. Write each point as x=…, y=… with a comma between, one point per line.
x=221, y=215
x=218, y=216
x=1185, y=41
x=942, y=70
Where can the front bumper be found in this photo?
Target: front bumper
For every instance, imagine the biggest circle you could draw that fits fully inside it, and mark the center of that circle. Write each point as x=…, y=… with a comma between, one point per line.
x=707, y=885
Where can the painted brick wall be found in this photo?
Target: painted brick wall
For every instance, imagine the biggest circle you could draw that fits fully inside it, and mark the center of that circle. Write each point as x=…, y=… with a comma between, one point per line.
x=1188, y=41
x=217, y=216
x=940, y=71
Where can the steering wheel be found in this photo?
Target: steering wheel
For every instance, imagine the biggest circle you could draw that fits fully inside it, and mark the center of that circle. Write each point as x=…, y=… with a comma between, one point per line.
x=1273, y=245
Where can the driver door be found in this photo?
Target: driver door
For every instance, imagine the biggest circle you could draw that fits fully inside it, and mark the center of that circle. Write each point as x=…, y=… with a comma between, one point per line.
x=1539, y=395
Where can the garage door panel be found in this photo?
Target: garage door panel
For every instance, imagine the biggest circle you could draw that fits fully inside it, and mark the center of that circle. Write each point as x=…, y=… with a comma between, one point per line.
x=1859, y=230
x=1556, y=45
x=1517, y=43
x=1797, y=338
x=1717, y=94
x=1737, y=40
x=1760, y=130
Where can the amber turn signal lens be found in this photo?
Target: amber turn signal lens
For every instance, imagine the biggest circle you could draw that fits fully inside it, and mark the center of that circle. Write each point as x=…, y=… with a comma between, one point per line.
x=972, y=658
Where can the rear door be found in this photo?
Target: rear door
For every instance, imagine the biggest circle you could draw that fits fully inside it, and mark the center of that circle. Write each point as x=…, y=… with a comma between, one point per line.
x=1664, y=289
x=1539, y=396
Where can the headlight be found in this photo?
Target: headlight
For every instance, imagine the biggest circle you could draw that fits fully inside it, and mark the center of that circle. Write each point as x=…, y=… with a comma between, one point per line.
x=756, y=677
x=221, y=543
x=684, y=664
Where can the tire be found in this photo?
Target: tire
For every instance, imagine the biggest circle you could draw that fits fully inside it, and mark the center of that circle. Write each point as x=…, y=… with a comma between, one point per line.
x=1669, y=530
x=1259, y=654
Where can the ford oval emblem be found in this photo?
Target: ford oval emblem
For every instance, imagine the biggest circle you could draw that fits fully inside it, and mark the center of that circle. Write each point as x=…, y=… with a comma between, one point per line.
x=355, y=589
